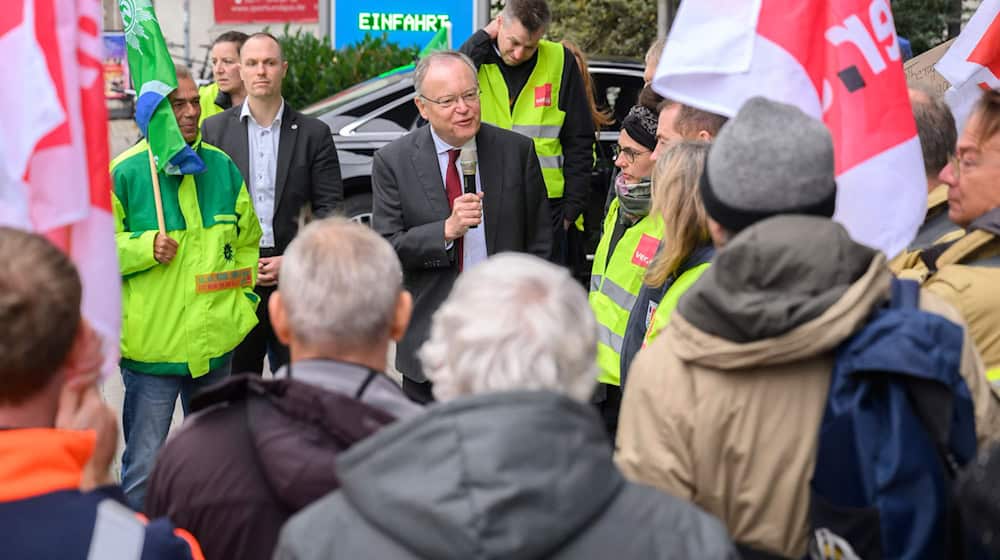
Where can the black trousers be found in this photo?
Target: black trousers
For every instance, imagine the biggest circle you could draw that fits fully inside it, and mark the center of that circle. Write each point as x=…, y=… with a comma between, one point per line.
x=261, y=341
x=607, y=400
x=568, y=246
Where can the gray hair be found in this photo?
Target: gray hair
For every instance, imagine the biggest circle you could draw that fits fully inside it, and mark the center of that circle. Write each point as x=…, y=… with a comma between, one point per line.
x=182, y=71
x=424, y=66
x=340, y=282
x=935, y=128
x=514, y=322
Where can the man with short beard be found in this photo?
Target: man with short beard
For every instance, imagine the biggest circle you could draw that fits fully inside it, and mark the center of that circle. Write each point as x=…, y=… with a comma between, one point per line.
x=188, y=295
x=534, y=87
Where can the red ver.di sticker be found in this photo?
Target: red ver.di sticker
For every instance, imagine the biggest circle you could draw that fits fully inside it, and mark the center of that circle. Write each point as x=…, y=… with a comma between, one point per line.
x=645, y=250
x=543, y=96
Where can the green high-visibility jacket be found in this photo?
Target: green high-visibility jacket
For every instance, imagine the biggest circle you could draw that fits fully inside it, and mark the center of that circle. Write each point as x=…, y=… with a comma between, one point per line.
x=536, y=112
x=615, y=285
x=184, y=317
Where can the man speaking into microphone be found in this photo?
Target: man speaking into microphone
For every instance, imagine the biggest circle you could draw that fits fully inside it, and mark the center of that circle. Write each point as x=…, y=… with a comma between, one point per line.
x=437, y=227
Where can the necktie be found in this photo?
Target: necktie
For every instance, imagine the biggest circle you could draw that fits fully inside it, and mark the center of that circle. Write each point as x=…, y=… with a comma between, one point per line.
x=453, y=185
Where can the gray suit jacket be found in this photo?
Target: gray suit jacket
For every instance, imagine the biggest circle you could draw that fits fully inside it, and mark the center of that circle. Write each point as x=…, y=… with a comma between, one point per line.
x=411, y=206
x=308, y=170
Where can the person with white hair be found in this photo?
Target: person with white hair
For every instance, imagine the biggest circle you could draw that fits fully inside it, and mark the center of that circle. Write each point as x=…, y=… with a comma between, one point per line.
x=259, y=450
x=514, y=462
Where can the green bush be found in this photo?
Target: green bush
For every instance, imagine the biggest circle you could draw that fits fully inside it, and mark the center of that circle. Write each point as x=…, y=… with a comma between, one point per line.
x=316, y=70
x=602, y=27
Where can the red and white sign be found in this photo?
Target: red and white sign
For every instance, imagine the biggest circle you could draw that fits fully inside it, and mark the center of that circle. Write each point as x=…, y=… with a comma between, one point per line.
x=266, y=11
x=838, y=61
x=645, y=250
x=543, y=95
x=54, y=147
x=972, y=63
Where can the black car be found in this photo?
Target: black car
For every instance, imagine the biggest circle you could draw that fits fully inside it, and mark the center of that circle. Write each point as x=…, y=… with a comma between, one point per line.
x=373, y=113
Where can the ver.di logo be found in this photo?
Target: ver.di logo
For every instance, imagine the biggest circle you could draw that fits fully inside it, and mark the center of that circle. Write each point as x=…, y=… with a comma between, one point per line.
x=134, y=14
x=227, y=252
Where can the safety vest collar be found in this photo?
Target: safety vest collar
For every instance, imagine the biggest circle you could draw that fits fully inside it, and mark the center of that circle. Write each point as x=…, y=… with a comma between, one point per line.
x=35, y=461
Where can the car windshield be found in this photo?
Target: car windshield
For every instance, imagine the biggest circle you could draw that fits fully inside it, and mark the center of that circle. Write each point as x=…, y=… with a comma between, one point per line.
x=358, y=91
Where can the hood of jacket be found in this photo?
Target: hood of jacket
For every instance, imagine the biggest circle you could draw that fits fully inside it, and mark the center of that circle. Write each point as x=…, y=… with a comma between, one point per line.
x=504, y=475
x=784, y=289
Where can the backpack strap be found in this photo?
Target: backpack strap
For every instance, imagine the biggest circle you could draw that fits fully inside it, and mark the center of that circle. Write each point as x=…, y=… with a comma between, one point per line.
x=965, y=248
x=905, y=294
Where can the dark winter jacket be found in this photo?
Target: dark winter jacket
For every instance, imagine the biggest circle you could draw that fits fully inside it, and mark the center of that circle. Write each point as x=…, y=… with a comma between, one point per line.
x=518, y=475
x=258, y=451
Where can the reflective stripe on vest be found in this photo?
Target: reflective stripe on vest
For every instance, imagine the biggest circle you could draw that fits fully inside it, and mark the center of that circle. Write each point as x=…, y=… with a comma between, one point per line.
x=661, y=317
x=615, y=285
x=537, y=131
x=610, y=339
x=550, y=162
x=536, y=111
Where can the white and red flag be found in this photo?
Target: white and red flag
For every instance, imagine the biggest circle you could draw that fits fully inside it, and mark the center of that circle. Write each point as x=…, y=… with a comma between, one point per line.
x=54, y=145
x=972, y=63
x=838, y=61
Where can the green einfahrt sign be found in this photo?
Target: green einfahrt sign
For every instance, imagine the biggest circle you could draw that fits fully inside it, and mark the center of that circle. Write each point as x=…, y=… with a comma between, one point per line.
x=383, y=21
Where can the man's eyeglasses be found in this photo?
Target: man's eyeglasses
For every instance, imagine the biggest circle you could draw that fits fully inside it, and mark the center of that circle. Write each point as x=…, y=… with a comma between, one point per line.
x=470, y=97
x=630, y=154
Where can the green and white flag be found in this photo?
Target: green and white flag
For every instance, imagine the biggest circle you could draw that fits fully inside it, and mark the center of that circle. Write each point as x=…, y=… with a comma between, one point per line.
x=154, y=78
x=439, y=42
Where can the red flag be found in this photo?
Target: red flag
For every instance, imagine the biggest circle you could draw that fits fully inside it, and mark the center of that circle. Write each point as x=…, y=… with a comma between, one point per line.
x=54, y=152
x=972, y=63
x=837, y=60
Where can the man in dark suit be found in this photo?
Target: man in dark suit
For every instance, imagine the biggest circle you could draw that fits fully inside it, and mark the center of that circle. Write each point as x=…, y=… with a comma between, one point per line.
x=418, y=203
x=288, y=160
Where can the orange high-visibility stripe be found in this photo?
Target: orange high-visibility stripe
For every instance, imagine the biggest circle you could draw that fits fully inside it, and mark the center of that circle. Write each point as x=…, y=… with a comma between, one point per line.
x=37, y=461
x=192, y=542
x=187, y=537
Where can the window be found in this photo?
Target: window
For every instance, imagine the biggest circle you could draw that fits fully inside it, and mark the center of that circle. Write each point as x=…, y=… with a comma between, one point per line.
x=616, y=91
x=401, y=117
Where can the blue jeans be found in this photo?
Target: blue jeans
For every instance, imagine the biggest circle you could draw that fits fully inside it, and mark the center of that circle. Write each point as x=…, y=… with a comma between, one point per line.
x=146, y=415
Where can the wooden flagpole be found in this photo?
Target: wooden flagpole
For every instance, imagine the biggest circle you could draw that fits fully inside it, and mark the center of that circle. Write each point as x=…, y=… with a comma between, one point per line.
x=156, y=192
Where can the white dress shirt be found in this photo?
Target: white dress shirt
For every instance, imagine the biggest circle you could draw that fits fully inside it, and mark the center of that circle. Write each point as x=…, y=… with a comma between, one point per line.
x=474, y=242
x=263, y=143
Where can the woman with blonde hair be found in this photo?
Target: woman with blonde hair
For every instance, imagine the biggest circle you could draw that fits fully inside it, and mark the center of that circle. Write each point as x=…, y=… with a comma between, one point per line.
x=685, y=249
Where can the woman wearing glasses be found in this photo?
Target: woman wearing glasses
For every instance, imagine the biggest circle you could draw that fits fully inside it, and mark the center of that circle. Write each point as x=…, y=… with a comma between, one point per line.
x=628, y=243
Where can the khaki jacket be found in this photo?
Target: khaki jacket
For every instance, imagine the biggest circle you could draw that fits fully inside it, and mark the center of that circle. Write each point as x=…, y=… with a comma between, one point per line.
x=732, y=426
x=973, y=290
x=937, y=228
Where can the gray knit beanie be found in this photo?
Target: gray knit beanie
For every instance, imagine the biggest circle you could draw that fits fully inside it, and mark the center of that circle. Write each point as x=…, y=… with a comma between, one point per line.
x=770, y=159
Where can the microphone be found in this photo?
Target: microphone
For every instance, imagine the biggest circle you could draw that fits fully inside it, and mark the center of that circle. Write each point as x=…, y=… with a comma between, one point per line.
x=467, y=159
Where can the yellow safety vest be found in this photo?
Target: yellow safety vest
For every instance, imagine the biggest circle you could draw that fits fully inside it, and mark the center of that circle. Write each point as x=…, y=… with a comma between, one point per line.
x=206, y=98
x=615, y=285
x=536, y=112
x=661, y=317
